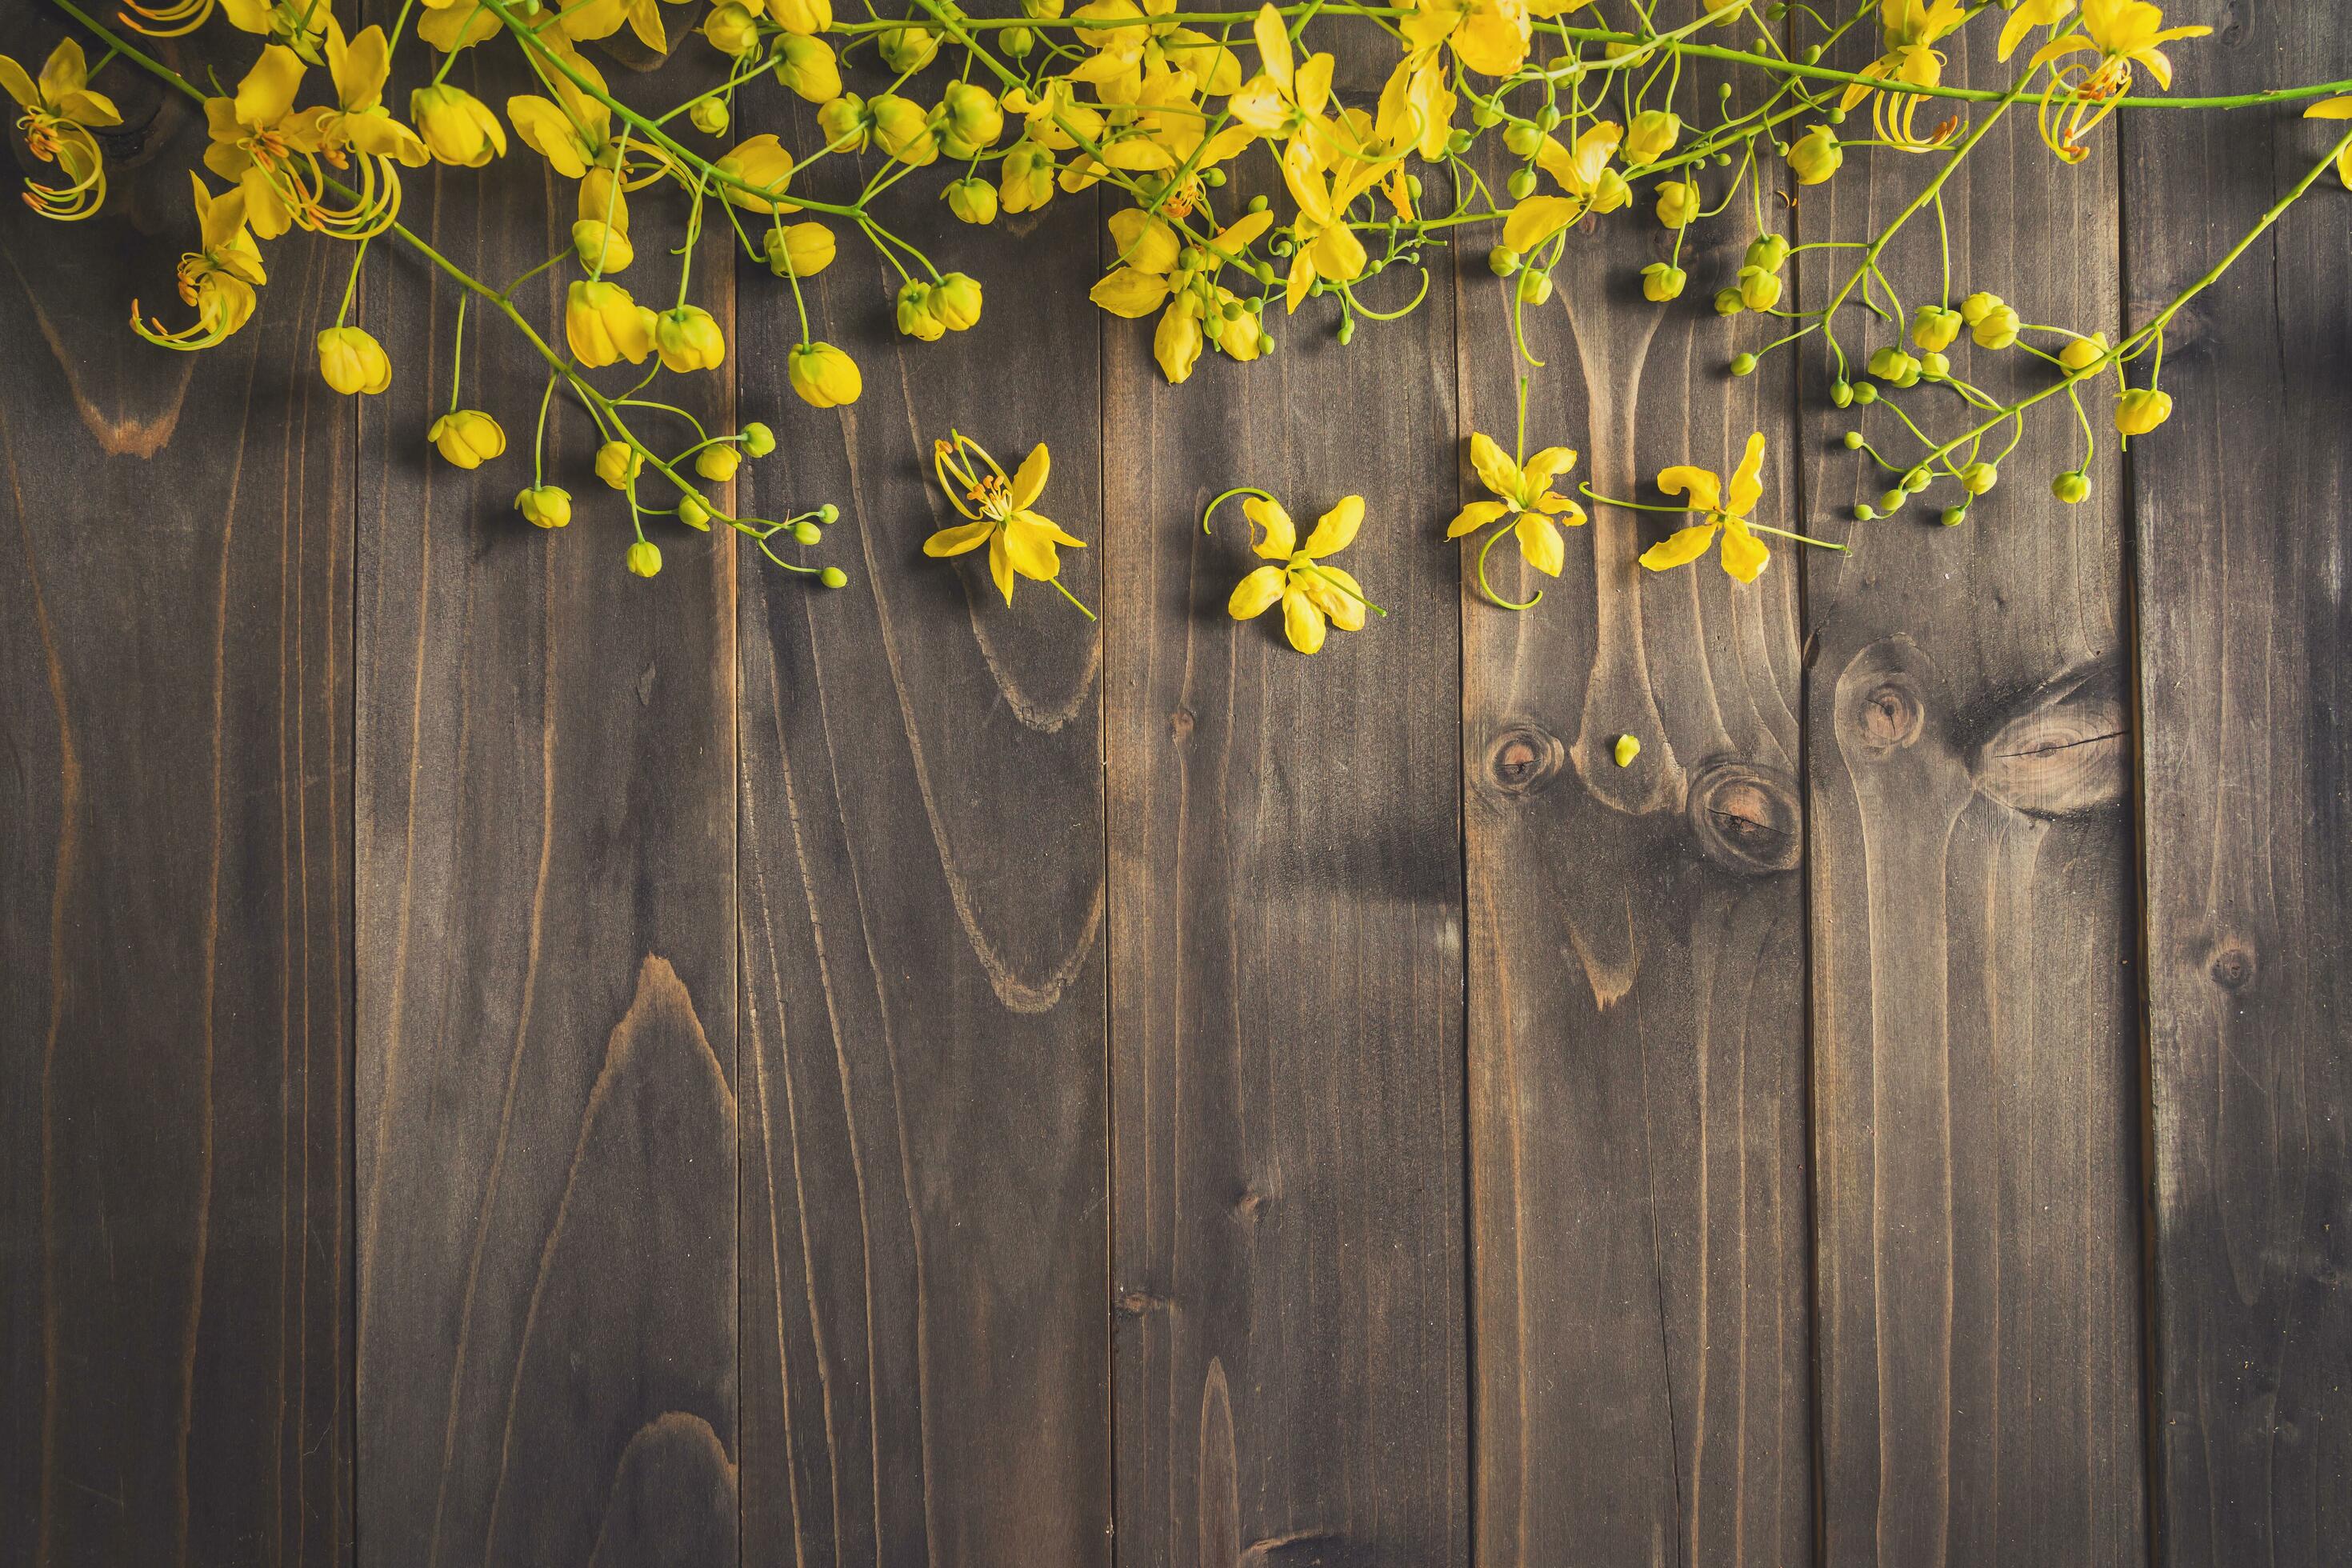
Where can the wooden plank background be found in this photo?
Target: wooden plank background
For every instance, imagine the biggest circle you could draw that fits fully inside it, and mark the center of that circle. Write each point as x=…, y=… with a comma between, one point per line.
x=502, y=1061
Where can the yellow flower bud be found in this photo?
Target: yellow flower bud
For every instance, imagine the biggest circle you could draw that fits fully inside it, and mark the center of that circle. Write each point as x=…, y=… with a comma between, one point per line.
x=802, y=16
x=1815, y=156
x=1759, y=289
x=352, y=360
x=758, y=440
x=601, y=247
x=824, y=376
x=1661, y=282
x=602, y=199
x=807, y=66
x=972, y=200
x=1978, y=306
x=1610, y=192
x=1933, y=328
x=762, y=164
x=457, y=127
x=644, y=558
x=603, y=324
x=618, y=464
x=689, y=338
x=732, y=29
x=1650, y=136
x=693, y=513
x=846, y=123
x=955, y=301
x=909, y=50
x=1027, y=181
x=1996, y=328
x=1678, y=202
x=718, y=463
x=799, y=250
x=545, y=506
x=468, y=438
x=2141, y=410
x=903, y=130
x=2083, y=352
x=974, y=119
x=708, y=116
x=916, y=318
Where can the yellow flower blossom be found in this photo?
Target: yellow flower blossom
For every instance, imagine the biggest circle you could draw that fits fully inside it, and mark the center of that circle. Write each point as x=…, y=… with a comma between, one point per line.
x=359, y=122
x=1125, y=58
x=352, y=360
x=58, y=111
x=267, y=145
x=572, y=131
x=1156, y=270
x=458, y=129
x=1911, y=29
x=1525, y=496
x=2122, y=34
x=825, y=377
x=2336, y=108
x=1743, y=554
x=603, y=324
x=1019, y=538
x=1312, y=593
x=467, y=438
x=217, y=278
x=1593, y=186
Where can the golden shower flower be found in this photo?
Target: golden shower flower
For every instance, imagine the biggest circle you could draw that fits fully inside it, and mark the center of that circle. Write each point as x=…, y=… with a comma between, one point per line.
x=217, y=278
x=359, y=122
x=1743, y=554
x=458, y=129
x=689, y=338
x=601, y=247
x=1678, y=202
x=1651, y=136
x=1312, y=591
x=1911, y=29
x=573, y=131
x=955, y=301
x=799, y=250
x=902, y=130
x=1525, y=489
x=467, y=438
x=603, y=324
x=644, y=558
x=2141, y=410
x=1815, y=156
x=972, y=200
x=2122, y=33
x=1156, y=270
x=807, y=66
x=60, y=108
x=264, y=144
x=352, y=361
x=618, y=464
x=545, y=506
x=1593, y=186
x=1019, y=538
x=824, y=376
x=762, y=163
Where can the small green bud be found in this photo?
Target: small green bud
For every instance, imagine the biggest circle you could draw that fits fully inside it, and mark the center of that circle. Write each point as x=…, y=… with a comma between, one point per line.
x=1917, y=479
x=828, y=514
x=2070, y=486
x=693, y=513
x=833, y=577
x=1892, y=500
x=1521, y=185
x=1934, y=366
x=1257, y=204
x=1265, y=343
x=1535, y=286
x=1522, y=138
x=1866, y=394
x=1548, y=118
x=1728, y=302
x=1953, y=516
x=1852, y=439
x=1979, y=478
x=1213, y=176
x=1813, y=55
x=1661, y=282
x=1743, y=364
x=1865, y=513
x=1502, y=261
x=758, y=440
x=1768, y=251
x=1841, y=395
x=1458, y=142
x=1018, y=42
x=807, y=533
x=709, y=115
x=1487, y=115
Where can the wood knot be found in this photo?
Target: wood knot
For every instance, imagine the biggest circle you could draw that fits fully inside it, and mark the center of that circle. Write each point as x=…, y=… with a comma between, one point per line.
x=1747, y=817
x=1251, y=1203
x=1889, y=714
x=2067, y=749
x=2232, y=967
x=1523, y=759
x=1135, y=1303
x=1180, y=723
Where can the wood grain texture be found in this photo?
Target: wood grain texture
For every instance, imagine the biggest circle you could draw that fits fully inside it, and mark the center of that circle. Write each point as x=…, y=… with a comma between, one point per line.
x=546, y=1037
x=175, y=684
x=1974, y=1030
x=2242, y=528
x=1285, y=942
x=1637, y=952
x=926, y=1355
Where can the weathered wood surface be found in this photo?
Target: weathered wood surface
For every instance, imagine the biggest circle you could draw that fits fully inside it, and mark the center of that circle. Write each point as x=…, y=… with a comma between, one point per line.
x=176, y=866
x=1974, y=1024
x=926, y=1344
x=1636, y=957
x=2244, y=521
x=1195, y=1102
x=546, y=1106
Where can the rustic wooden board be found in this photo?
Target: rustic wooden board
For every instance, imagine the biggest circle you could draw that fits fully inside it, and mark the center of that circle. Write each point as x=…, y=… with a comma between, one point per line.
x=926, y=1342
x=1286, y=938
x=174, y=896
x=1974, y=1022
x=2240, y=533
x=546, y=1028
x=1637, y=950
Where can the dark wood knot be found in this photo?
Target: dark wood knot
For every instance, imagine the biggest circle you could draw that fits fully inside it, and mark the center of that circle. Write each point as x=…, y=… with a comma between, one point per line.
x=1889, y=714
x=1180, y=724
x=2233, y=968
x=2065, y=751
x=1523, y=759
x=1747, y=817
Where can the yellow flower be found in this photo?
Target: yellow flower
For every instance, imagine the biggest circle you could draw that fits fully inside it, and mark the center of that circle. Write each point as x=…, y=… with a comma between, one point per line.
x=1328, y=249
x=468, y=438
x=1525, y=493
x=1593, y=186
x=762, y=163
x=267, y=145
x=644, y=558
x=1285, y=99
x=799, y=250
x=601, y=247
x=217, y=278
x=60, y=108
x=1743, y=554
x=689, y=338
x=352, y=361
x=807, y=66
x=359, y=122
x=1489, y=36
x=1651, y=136
x=824, y=376
x=1126, y=59
x=618, y=464
x=2141, y=410
x=1156, y=270
x=2028, y=15
x=1911, y=29
x=1815, y=156
x=2336, y=108
x=1018, y=538
x=2121, y=33
x=570, y=131
x=603, y=324
x=459, y=128
x=545, y=506
x=1312, y=592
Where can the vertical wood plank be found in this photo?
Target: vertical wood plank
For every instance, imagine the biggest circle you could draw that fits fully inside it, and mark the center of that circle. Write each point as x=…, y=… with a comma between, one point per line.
x=926, y=1355
x=174, y=894
x=1286, y=944
x=1975, y=1036
x=546, y=821
x=2241, y=532
x=1637, y=950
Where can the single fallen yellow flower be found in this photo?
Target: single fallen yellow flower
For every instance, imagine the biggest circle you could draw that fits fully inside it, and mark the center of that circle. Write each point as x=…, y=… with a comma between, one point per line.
x=1019, y=540
x=1524, y=485
x=1745, y=556
x=1312, y=591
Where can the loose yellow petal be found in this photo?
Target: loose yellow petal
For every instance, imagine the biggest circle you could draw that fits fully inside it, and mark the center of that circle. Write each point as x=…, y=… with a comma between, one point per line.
x=1627, y=748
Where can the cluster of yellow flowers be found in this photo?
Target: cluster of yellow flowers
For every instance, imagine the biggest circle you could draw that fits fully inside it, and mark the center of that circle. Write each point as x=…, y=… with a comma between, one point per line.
x=1153, y=105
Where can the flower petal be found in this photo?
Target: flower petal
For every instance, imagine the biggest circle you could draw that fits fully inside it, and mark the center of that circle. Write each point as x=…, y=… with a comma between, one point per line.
x=956, y=541
x=1747, y=488
x=1679, y=548
x=1130, y=292
x=1495, y=471
x=1273, y=45
x=1000, y=566
x=1548, y=465
x=1029, y=479
x=1336, y=529
x=1339, y=596
x=1743, y=554
x=1253, y=594
x=1301, y=621
x=267, y=94
x=1704, y=490
x=1473, y=517
x=1031, y=549
x=1278, y=536
x=1540, y=542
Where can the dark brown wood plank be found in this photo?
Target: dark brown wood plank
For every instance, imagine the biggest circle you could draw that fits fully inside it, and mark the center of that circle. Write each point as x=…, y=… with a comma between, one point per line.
x=1974, y=1018
x=176, y=866
x=546, y=820
x=1637, y=950
x=1285, y=942
x=926, y=1355
x=2241, y=528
